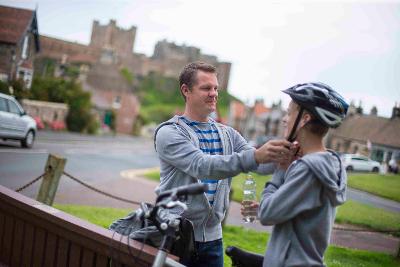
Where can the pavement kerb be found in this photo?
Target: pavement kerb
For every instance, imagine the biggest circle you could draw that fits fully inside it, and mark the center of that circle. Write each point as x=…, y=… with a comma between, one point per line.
x=138, y=174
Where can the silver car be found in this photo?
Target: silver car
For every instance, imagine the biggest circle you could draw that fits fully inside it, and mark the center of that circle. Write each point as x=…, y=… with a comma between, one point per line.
x=15, y=124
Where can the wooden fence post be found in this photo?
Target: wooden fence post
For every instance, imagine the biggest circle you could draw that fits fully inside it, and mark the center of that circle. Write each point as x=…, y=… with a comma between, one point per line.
x=53, y=171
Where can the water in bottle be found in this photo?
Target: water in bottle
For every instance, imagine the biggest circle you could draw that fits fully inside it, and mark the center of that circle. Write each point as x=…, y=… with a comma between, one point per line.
x=249, y=195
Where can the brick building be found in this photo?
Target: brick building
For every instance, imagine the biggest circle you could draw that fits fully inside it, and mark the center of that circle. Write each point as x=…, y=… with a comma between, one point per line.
x=19, y=42
x=371, y=135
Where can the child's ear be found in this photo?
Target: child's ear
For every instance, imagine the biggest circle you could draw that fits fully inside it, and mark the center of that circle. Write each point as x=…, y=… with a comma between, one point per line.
x=306, y=119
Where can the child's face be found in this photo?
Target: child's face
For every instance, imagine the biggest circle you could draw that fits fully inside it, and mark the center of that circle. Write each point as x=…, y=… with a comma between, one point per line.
x=289, y=118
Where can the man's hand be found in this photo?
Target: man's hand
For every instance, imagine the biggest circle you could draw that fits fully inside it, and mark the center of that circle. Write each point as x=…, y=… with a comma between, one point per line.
x=295, y=153
x=278, y=151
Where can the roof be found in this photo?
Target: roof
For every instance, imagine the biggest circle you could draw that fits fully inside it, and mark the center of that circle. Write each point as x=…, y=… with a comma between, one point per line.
x=14, y=22
x=260, y=108
x=238, y=109
x=82, y=58
x=378, y=130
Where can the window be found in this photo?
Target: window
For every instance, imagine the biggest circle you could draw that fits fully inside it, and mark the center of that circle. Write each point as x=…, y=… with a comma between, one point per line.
x=3, y=105
x=3, y=77
x=117, y=102
x=25, y=48
x=25, y=75
x=13, y=107
x=360, y=159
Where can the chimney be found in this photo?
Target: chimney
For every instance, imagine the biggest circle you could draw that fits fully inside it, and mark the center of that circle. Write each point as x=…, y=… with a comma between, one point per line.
x=396, y=111
x=374, y=111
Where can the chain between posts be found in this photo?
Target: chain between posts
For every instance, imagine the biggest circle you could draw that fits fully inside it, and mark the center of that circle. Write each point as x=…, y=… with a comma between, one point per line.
x=100, y=191
x=30, y=183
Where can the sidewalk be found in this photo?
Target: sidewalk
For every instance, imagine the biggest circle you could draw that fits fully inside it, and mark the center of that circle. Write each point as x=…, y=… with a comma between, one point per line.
x=132, y=186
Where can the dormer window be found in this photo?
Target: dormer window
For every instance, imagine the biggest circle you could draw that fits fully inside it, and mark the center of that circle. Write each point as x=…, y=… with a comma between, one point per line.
x=25, y=48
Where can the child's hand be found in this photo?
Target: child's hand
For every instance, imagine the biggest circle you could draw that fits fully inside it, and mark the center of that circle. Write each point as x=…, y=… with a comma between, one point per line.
x=249, y=208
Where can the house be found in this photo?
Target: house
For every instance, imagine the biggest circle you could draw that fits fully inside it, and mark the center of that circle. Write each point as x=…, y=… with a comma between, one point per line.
x=257, y=123
x=19, y=42
x=371, y=135
x=112, y=93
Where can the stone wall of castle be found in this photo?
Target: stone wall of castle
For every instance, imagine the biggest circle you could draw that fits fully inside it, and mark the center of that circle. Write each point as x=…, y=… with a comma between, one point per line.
x=112, y=37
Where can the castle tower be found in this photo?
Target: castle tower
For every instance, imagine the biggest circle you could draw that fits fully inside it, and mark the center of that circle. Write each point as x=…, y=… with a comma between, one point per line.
x=111, y=37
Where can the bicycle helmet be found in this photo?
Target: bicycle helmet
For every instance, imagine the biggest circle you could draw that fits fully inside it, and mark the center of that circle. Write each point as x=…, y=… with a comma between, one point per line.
x=321, y=100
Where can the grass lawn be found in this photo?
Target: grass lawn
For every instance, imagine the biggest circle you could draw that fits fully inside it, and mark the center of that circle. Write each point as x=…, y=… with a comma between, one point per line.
x=365, y=215
x=387, y=186
x=246, y=239
x=351, y=212
x=153, y=175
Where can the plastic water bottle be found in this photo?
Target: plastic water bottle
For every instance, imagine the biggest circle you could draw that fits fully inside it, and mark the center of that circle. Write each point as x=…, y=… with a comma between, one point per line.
x=249, y=195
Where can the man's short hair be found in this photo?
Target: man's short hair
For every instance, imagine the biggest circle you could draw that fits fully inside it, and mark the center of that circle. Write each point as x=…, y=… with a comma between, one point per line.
x=189, y=72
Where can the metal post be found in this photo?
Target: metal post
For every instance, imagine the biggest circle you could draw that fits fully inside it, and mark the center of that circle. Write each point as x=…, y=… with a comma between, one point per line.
x=53, y=171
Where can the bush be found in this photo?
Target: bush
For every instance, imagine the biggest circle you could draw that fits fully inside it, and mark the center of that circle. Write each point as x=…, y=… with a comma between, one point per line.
x=79, y=118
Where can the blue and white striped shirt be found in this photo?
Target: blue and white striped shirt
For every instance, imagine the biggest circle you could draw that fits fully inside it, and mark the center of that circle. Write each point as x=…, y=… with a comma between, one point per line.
x=210, y=143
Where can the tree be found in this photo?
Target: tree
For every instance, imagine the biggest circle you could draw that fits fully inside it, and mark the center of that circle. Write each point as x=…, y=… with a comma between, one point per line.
x=79, y=118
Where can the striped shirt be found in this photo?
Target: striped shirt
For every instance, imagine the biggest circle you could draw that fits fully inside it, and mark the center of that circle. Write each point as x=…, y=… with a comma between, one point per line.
x=210, y=143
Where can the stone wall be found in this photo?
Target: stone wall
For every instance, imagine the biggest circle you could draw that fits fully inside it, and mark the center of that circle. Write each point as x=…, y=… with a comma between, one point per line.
x=48, y=112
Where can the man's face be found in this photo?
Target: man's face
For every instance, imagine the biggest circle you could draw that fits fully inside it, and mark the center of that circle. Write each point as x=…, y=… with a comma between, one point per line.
x=289, y=118
x=203, y=96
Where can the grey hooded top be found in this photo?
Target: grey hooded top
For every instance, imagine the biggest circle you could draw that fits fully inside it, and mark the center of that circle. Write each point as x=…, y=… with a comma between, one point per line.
x=182, y=163
x=301, y=203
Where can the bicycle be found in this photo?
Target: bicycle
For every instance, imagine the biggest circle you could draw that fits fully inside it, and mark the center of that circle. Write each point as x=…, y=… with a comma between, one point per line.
x=168, y=227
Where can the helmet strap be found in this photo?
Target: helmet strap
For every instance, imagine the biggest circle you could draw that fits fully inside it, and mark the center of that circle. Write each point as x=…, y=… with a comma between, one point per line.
x=293, y=132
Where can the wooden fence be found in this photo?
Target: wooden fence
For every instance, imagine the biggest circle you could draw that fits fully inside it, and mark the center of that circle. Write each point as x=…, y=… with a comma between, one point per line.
x=34, y=234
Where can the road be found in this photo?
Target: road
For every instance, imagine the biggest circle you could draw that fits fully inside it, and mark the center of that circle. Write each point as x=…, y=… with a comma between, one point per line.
x=94, y=159
x=99, y=160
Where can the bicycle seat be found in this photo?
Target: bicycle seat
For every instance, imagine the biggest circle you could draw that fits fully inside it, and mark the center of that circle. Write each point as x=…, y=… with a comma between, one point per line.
x=241, y=258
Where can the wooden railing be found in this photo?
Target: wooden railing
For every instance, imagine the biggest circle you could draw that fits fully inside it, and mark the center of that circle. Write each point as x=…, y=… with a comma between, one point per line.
x=34, y=234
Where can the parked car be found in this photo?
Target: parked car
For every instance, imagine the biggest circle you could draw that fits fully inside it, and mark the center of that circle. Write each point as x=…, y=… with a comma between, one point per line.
x=355, y=162
x=15, y=124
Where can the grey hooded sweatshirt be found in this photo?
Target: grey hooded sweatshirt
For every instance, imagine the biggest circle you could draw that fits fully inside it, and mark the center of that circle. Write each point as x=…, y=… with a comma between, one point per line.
x=301, y=203
x=182, y=163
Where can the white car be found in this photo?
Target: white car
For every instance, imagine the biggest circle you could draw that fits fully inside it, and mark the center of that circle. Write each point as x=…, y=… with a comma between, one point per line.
x=15, y=124
x=355, y=162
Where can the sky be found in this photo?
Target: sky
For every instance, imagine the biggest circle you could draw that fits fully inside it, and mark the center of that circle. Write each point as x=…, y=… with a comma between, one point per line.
x=353, y=46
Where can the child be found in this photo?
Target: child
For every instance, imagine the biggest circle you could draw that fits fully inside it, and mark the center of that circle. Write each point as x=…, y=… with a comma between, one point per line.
x=301, y=198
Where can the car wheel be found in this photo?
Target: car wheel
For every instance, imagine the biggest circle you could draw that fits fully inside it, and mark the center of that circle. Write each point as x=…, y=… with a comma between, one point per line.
x=375, y=169
x=349, y=168
x=28, y=140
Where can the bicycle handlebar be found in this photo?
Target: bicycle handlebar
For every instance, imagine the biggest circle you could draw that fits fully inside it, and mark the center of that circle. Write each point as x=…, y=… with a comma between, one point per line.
x=191, y=189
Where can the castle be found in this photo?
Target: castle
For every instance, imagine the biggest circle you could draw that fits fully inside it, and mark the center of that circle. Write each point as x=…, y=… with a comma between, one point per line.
x=111, y=48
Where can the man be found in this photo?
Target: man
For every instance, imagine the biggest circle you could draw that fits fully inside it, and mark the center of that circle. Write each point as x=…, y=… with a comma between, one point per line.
x=194, y=148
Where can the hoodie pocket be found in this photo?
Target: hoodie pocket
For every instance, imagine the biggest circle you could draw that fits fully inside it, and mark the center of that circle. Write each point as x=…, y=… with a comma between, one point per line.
x=222, y=202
